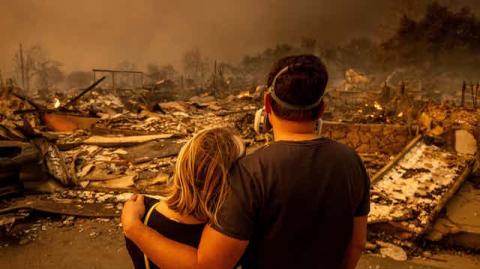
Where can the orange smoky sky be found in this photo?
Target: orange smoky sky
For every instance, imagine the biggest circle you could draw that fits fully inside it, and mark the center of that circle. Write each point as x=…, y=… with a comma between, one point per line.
x=101, y=33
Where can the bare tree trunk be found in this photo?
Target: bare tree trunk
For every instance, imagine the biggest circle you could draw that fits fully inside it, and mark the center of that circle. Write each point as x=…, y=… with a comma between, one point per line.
x=28, y=67
x=22, y=66
x=215, y=76
x=1, y=81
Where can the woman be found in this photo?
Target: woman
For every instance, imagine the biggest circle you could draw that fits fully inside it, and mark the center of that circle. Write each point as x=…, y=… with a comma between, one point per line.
x=198, y=190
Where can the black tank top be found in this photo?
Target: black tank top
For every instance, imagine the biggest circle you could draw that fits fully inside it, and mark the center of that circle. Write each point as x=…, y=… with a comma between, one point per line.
x=189, y=234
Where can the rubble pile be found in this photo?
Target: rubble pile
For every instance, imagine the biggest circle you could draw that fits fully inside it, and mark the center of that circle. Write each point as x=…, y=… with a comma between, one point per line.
x=370, y=138
x=105, y=146
x=101, y=103
x=111, y=167
x=114, y=151
x=439, y=120
x=113, y=163
x=375, y=143
x=396, y=97
x=413, y=191
x=123, y=149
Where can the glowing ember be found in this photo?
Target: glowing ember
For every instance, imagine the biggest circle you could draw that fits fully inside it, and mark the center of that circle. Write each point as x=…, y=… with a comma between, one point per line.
x=377, y=106
x=400, y=114
x=57, y=103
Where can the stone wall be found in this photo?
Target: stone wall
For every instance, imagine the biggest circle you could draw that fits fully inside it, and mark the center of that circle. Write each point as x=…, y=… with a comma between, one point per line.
x=369, y=138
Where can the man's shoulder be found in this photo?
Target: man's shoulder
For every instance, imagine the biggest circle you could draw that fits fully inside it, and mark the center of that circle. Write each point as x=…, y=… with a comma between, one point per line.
x=342, y=150
x=325, y=146
x=257, y=154
x=266, y=153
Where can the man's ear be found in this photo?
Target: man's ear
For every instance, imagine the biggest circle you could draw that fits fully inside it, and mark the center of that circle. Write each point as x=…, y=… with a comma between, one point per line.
x=267, y=103
x=321, y=109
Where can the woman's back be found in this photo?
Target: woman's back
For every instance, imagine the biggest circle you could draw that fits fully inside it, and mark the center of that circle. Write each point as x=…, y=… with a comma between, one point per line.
x=185, y=233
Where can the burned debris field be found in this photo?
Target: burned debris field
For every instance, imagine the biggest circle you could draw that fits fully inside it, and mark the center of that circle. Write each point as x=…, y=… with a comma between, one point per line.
x=76, y=143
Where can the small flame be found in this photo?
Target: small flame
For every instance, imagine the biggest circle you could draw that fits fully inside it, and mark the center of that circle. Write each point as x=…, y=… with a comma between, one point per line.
x=56, y=103
x=377, y=106
x=400, y=114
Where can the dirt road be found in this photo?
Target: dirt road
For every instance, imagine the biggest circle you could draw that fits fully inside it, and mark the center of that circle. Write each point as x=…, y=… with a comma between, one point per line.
x=98, y=243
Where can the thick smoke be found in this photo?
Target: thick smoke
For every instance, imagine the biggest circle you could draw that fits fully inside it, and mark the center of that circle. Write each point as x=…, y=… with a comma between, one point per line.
x=86, y=34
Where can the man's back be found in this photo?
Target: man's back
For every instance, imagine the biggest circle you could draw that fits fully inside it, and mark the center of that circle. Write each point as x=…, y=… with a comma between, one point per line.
x=295, y=202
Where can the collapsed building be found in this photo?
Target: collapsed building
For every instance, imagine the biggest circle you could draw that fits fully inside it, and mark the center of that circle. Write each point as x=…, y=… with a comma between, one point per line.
x=84, y=156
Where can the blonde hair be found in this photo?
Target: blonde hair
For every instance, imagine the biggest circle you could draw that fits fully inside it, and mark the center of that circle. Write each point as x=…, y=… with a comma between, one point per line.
x=200, y=182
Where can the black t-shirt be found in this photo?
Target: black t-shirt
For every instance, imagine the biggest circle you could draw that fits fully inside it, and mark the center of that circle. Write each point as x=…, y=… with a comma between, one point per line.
x=295, y=202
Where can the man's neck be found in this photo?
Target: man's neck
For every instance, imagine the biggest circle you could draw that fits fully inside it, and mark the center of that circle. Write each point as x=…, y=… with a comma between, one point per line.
x=284, y=130
x=294, y=132
x=285, y=136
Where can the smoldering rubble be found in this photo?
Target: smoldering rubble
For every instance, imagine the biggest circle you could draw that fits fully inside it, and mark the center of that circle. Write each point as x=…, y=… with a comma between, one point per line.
x=85, y=156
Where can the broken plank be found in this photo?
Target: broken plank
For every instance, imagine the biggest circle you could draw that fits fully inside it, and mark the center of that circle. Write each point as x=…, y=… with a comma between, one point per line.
x=122, y=141
x=66, y=123
x=120, y=182
x=447, y=196
x=101, y=131
x=399, y=156
x=423, y=194
x=11, y=189
x=69, y=207
x=153, y=149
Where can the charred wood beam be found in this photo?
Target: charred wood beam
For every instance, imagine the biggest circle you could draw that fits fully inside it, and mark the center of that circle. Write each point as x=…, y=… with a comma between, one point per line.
x=32, y=103
x=26, y=111
x=450, y=193
x=75, y=99
x=117, y=71
x=61, y=206
x=397, y=158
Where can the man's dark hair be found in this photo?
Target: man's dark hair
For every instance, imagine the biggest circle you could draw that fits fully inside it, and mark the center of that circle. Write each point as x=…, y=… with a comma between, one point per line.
x=303, y=84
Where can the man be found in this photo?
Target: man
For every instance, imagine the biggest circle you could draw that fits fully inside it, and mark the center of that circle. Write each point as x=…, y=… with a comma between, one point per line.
x=301, y=202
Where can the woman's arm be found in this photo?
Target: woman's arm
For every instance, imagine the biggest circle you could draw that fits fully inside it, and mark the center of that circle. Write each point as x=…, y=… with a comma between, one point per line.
x=216, y=250
x=163, y=252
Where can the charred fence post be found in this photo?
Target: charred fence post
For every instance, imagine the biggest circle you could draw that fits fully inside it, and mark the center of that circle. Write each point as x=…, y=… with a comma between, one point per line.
x=402, y=88
x=464, y=88
x=476, y=94
x=113, y=80
x=472, y=93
